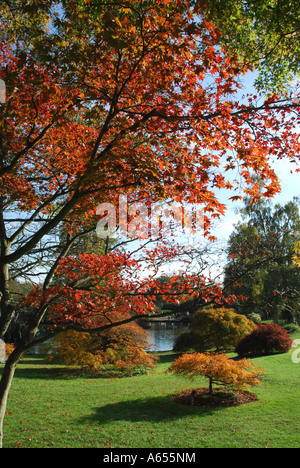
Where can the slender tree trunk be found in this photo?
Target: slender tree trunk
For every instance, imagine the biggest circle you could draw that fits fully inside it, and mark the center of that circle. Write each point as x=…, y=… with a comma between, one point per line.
x=12, y=361
x=5, y=384
x=6, y=315
x=210, y=385
x=6, y=308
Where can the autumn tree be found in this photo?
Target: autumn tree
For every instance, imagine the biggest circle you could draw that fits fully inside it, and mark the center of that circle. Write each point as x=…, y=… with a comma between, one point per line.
x=103, y=99
x=123, y=348
x=219, y=369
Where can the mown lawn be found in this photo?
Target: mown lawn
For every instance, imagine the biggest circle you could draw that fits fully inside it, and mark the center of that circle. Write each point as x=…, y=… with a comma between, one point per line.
x=48, y=409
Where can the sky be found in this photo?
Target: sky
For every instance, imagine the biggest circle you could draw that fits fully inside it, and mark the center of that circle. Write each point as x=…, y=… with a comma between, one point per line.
x=224, y=227
x=290, y=187
x=289, y=179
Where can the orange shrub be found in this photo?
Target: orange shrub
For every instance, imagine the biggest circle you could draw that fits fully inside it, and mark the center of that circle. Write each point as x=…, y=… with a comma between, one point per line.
x=122, y=347
x=219, y=369
x=73, y=349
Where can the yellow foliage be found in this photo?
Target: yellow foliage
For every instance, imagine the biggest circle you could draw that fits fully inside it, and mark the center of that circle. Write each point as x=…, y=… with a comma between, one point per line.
x=296, y=257
x=122, y=347
x=220, y=329
x=72, y=348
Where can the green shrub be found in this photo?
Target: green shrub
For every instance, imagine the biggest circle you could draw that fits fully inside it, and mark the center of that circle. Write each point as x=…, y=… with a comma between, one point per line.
x=189, y=341
x=291, y=327
x=255, y=317
x=214, y=329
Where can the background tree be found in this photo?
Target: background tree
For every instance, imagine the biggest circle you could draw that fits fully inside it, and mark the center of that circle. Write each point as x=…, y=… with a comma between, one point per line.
x=260, y=259
x=296, y=257
x=264, y=33
x=91, y=113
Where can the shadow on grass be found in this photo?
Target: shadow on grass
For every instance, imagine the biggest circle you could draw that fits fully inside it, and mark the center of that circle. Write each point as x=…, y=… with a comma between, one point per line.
x=35, y=367
x=154, y=409
x=167, y=357
x=45, y=373
x=32, y=369
x=56, y=372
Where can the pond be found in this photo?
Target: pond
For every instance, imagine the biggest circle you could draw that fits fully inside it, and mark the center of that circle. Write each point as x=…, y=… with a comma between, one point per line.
x=164, y=334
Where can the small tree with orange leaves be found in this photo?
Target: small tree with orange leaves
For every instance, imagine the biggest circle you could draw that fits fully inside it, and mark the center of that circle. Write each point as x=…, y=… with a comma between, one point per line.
x=122, y=348
x=219, y=369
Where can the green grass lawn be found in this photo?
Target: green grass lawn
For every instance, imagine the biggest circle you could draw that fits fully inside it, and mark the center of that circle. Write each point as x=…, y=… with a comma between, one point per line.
x=47, y=409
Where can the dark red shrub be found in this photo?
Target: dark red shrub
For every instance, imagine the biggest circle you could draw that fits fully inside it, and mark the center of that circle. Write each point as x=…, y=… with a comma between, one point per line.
x=265, y=339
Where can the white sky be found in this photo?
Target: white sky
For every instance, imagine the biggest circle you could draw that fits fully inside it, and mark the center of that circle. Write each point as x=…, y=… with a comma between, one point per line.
x=290, y=187
x=289, y=179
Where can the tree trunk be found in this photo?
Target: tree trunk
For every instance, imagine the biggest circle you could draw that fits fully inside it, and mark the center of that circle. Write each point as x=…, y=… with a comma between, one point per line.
x=210, y=385
x=5, y=384
x=7, y=310
x=12, y=361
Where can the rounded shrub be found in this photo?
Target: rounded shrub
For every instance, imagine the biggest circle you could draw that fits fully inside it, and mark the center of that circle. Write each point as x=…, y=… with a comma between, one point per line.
x=214, y=329
x=265, y=339
x=255, y=317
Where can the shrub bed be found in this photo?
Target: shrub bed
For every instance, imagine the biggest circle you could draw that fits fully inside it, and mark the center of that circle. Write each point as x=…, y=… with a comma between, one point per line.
x=264, y=340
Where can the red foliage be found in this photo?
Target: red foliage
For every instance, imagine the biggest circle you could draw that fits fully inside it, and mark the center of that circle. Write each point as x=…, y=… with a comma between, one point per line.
x=148, y=108
x=97, y=291
x=265, y=339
